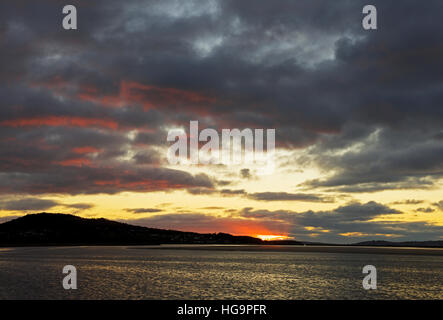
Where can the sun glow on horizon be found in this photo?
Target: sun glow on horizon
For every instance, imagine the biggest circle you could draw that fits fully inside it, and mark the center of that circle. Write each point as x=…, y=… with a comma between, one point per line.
x=272, y=237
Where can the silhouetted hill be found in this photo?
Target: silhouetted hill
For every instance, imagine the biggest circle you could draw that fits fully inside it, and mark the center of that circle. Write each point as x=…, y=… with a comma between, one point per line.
x=381, y=243
x=65, y=229
x=373, y=243
x=47, y=229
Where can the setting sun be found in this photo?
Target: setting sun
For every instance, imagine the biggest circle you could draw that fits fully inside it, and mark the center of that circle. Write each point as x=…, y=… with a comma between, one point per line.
x=272, y=237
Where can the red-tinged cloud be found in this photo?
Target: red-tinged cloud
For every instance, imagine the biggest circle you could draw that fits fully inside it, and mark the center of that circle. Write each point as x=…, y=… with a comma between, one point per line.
x=85, y=150
x=80, y=176
x=148, y=96
x=363, y=108
x=130, y=93
x=79, y=162
x=56, y=84
x=60, y=121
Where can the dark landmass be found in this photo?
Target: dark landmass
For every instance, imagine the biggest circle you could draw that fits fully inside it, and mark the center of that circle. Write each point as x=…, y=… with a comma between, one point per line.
x=332, y=249
x=416, y=244
x=50, y=229
x=373, y=243
x=45, y=229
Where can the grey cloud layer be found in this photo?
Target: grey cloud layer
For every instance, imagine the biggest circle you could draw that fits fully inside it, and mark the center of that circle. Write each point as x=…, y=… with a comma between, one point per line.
x=37, y=204
x=305, y=68
x=364, y=106
x=350, y=223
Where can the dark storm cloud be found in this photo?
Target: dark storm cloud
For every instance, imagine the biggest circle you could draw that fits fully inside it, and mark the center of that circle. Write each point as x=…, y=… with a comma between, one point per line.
x=409, y=202
x=366, y=103
x=232, y=192
x=222, y=192
x=284, y=196
x=425, y=210
x=245, y=173
x=177, y=221
x=81, y=206
x=439, y=205
x=147, y=157
x=91, y=180
x=36, y=204
x=343, y=214
x=262, y=196
x=349, y=223
x=27, y=204
x=200, y=191
x=386, y=159
x=143, y=210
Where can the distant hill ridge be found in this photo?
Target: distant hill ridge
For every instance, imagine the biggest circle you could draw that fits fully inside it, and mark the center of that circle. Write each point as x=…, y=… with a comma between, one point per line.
x=381, y=243
x=64, y=229
x=47, y=229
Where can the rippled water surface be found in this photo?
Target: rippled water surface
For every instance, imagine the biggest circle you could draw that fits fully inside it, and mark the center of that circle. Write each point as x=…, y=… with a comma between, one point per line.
x=180, y=273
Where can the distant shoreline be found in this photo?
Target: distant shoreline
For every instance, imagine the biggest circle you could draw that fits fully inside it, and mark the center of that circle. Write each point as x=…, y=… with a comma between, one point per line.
x=265, y=246
x=55, y=230
x=301, y=249
x=333, y=249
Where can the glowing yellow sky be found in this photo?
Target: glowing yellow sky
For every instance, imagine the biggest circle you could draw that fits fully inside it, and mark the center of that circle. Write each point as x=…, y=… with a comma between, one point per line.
x=283, y=180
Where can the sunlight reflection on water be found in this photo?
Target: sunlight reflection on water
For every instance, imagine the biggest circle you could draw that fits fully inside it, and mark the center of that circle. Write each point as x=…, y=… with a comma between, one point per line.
x=125, y=273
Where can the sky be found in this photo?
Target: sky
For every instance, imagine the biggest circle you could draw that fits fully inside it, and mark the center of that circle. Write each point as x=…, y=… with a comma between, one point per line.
x=358, y=115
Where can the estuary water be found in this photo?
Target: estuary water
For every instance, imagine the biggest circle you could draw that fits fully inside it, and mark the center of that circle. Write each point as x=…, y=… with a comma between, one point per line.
x=220, y=272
